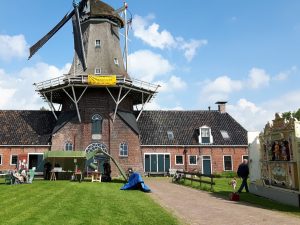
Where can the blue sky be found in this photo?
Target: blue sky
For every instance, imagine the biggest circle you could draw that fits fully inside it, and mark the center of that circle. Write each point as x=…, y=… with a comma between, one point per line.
x=243, y=52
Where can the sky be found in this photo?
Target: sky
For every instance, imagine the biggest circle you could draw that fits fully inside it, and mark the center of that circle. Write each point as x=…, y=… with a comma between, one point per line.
x=244, y=52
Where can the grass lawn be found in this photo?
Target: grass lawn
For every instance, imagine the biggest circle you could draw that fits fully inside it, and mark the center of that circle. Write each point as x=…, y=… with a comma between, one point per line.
x=65, y=202
x=222, y=188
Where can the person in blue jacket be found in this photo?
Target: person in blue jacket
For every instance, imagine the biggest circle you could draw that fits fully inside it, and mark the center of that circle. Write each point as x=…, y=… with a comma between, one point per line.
x=243, y=172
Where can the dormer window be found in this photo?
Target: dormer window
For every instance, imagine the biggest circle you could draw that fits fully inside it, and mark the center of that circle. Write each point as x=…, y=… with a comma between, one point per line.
x=205, y=136
x=97, y=44
x=170, y=135
x=97, y=71
x=225, y=134
x=116, y=61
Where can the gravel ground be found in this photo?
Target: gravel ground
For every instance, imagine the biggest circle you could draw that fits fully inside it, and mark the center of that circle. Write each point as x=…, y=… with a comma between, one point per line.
x=199, y=207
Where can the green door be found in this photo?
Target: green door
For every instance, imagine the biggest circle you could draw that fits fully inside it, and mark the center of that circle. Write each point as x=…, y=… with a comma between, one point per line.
x=40, y=163
x=147, y=163
x=206, y=165
x=167, y=163
x=153, y=163
x=161, y=163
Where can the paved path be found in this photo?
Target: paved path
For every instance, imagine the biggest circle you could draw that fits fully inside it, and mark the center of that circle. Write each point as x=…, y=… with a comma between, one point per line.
x=200, y=207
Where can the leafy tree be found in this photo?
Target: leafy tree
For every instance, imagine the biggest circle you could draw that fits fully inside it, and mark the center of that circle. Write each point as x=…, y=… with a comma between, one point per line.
x=287, y=115
x=295, y=114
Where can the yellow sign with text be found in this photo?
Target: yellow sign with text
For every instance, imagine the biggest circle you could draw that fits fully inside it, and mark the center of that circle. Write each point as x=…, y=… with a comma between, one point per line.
x=108, y=80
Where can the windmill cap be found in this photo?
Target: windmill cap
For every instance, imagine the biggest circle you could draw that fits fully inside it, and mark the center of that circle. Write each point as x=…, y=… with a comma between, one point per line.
x=100, y=9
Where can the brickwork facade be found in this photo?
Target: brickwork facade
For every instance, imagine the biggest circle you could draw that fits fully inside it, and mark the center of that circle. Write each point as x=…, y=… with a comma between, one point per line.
x=98, y=101
x=7, y=152
x=216, y=156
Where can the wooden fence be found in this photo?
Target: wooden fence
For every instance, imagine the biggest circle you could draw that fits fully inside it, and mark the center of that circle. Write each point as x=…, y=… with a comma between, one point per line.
x=194, y=177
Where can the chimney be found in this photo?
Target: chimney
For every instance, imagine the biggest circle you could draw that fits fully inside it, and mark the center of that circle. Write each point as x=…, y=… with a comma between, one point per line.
x=221, y=106
x=208, y=108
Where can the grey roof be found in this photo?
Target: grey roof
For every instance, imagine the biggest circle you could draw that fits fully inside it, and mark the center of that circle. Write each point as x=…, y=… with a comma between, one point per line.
x=154, y=126
x=18, y=127
x=102, y=9
x=63, y=118
x=129, y=119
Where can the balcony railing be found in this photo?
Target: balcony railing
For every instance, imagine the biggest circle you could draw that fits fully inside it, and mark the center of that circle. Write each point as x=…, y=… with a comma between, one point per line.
x=83, y=80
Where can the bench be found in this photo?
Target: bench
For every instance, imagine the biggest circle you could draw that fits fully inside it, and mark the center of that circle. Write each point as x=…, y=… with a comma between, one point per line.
x=156, y=174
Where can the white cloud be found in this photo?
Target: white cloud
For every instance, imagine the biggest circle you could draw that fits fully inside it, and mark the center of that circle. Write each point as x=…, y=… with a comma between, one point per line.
x=173, y=84
x=254, y=117
x=13, y=47
x=151, y=35
x=154, y=105
x=249, y=115
x=219, y=89
x=17, y=90
x=258, y=78
x=284, y=75
x=190, y=48
x=146, y=65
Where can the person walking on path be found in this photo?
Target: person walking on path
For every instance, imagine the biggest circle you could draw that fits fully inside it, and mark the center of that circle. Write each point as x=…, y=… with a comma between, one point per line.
x=243, y=172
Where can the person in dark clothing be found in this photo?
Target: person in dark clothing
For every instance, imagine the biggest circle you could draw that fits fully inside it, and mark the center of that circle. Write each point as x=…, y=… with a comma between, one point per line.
x=107, y=171
x=243, y=172
x=47, y=170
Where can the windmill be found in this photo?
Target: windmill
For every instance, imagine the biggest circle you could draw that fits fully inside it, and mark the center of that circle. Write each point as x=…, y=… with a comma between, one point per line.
x=81, y=12
x=97, y=56
x=97, y=90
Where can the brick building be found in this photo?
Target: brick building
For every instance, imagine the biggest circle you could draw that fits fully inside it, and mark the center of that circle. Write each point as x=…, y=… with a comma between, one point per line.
x=209, y=141
x=97, y=99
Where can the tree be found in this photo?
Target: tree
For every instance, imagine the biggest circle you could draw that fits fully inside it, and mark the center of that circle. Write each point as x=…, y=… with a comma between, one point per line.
x=288, y=115
x=297, y=114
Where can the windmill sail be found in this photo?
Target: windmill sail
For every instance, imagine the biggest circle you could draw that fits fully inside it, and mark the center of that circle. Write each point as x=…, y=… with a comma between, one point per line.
x=33, y=49
x=78, y=42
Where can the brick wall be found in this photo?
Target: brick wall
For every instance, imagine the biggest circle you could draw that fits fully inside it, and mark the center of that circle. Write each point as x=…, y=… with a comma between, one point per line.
x=113, y=134
x=6, y=153
x=216, y=154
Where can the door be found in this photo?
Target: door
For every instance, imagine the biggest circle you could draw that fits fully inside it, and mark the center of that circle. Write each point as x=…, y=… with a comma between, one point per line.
x=157, y=163
x=161, y=163
x=206, y=165
x=153, y=163
x=167, y=163
x=36, y=160
x=147, y=163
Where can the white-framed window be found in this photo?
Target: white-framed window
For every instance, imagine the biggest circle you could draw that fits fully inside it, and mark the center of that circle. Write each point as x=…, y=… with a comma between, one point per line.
x=13, y=159
x=192, y=160
x=0, y=159
x=97, y=71
x=245, y=157
x=205, y=136
x=170, y=135
x=116, y=61
x=179, y=160
x=96, y=124
x=227, y=162
x=97, y=44
x=123, y=149
x=68, y=146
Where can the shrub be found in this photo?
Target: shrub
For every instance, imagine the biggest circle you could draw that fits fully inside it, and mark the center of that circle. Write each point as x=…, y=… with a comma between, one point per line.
x=225, y=174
